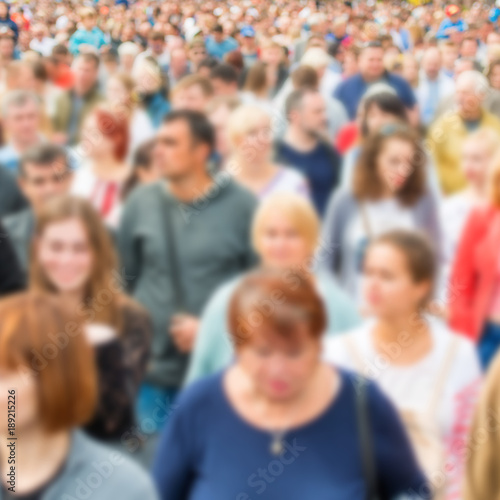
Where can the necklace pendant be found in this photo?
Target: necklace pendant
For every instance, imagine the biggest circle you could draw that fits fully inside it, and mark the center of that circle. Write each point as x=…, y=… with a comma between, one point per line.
x=277, y=447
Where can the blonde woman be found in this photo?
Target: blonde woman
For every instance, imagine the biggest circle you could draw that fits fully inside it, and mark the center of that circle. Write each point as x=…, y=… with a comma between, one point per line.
x=285, y=235
x=250, y=138
x=474, y=298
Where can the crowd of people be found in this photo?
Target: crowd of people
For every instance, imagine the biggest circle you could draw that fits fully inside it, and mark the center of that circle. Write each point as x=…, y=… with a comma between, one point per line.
x=249, y=250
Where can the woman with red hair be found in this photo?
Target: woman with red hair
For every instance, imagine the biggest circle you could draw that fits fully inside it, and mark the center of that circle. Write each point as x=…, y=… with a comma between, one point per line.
x=103, y=171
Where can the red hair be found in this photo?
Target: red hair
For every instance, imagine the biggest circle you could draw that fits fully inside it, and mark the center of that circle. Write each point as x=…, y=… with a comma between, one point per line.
x=115, y=128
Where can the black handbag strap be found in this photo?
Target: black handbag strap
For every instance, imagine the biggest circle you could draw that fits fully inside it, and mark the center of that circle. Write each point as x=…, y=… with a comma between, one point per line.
x=179, y=299
x=365, y=438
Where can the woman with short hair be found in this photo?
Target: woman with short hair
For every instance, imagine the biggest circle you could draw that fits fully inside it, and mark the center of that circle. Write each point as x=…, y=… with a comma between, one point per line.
x=285, y=234
x=279, y=422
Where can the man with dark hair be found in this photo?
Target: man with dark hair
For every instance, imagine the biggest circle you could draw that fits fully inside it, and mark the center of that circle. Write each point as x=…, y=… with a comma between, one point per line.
x=304, y=146
x=43, y=173
x=179, y=239
x=371, y=70
x=219, y=45
x=224, y=80
x=75, y=104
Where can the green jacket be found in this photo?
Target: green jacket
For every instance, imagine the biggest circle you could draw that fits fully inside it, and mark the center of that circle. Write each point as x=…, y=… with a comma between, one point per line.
x=210, y=244
x=213, y=350
x=64, y=106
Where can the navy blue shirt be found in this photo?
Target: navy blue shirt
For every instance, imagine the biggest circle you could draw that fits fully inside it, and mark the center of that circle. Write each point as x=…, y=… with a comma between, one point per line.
x=208, y=452
x=320, y=166
x=350, y=91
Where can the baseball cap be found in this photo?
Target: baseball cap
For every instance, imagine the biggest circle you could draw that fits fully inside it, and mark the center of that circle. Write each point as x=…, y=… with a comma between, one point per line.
x=451, y=10
x=247, y=32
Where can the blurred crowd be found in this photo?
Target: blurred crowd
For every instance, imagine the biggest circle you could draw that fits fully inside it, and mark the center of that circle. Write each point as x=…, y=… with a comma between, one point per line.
x=249, y=249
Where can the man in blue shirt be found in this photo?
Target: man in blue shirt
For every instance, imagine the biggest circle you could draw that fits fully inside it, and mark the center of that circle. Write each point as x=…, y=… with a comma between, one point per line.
x=372, y=71
x=218, y=45
x=453, y=22
x=304, y=148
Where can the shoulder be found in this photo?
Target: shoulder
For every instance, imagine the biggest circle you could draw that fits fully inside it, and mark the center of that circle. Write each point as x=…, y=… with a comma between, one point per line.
x=144, y=192
x=348, y=83
x=237, y=194
x=123, y=477
x=131, y=309
x=15, y=222
x=199, y=396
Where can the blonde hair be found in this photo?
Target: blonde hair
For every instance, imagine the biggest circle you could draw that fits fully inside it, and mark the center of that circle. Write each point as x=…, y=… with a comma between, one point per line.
x=298, y=210
x=487, y=137
x=243, y=120
x=494, y=181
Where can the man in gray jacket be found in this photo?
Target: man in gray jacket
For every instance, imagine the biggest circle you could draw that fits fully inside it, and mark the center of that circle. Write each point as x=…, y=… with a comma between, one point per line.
x=179, y=239
x=43, y=173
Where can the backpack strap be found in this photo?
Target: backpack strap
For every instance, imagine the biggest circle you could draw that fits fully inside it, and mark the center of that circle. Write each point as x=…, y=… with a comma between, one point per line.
x=365, y=438
x=443, y=376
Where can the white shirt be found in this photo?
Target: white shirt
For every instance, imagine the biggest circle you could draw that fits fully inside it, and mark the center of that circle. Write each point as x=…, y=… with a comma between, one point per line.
x=411, y=388
x=44, y=46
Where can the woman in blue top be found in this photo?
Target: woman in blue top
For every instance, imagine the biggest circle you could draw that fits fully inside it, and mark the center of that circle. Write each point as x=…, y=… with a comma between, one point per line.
x=280, y=423
x=285, y=234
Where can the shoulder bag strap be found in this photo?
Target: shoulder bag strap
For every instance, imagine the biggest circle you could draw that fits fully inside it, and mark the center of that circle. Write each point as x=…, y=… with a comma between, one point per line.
x=179, y=299
x=365, y=439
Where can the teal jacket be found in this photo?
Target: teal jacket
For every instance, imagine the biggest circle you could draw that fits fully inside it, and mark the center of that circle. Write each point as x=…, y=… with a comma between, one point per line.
x=213, y=350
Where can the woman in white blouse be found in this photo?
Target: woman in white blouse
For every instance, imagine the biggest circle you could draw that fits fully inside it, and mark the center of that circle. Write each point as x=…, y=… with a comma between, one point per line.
x=431, y=374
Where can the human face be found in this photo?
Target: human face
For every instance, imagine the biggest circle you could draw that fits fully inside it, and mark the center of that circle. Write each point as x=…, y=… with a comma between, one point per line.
x=40, y=183
x=22, y=122
x=94, y=143
x=431, y=64
x=280, y=243
x=449, y=55
x=65, y=256
x=469, y=48
x=377, y=118
x=88, y=22
x=197, y=54
x=272, y=55
x=312, y=115
x=476, y=157
x=175, y=152
x=371, y=63
x=6, y=48
x=223, y=88
x=468, y=100
x=219, y=119
x=394, y=164
x=191, y=98
x=254, y=148
x=85, y=75
x=495, y=77
x=389, y=289
x=24, y=383
x=116, y=93
x=280, y=368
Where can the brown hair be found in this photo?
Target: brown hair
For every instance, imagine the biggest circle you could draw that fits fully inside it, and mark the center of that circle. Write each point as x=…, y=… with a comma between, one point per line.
x=102, y=281
x=418, y=251
x=367, y=183
x=305, y=76
x=37, y=335
x=193, y=80
x=256, y=80
x=277, y=301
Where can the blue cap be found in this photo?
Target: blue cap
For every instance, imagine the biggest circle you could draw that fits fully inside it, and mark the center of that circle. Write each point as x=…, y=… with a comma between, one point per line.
x=247, y=32
x=494, y=14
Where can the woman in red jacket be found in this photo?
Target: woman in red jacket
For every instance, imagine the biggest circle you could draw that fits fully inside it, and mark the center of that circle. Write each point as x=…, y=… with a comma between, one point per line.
x=474, y=291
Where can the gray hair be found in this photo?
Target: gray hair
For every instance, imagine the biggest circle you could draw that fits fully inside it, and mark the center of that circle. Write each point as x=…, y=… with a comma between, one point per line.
x=476, y=79
x=17, y=98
